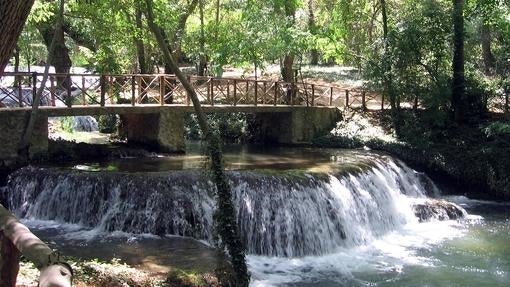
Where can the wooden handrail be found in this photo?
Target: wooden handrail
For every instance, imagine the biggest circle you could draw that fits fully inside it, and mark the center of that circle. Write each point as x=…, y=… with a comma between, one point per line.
x=106, y=89
x=17, y=239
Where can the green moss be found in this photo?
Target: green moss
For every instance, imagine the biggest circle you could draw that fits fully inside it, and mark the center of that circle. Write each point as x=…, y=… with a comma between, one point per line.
x=180, y=278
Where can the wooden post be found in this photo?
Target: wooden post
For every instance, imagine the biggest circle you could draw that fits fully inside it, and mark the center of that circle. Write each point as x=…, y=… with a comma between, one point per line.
x=187, y=96
x=69, y=98
x=331, y=96
x=139, y=80
x=275, y=92
x=9, y=262
x=228, y=90
x=313, y=95
x=54, y=271
x=346, y=98
x=20, y=91
x=20, y=94
x=382, y=102
x=209, y=89
x=292, y=93
x=235, y=92
x=83, y=90
x=34, y=86
x=212, y=91
x=102, y=83
x=110, y=88
x=363, y=100
x=264, y=94
x=162, y=90
x=133, y=90
x=256, y=93
x=52, y=90
x=507, y=103
x=415, y=106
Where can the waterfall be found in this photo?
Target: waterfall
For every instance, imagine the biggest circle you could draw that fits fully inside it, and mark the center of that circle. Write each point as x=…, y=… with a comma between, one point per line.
x=84, y=124
x=284, y=213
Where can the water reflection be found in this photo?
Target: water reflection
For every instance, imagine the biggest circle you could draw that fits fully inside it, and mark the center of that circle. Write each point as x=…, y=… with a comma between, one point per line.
x=241, y=157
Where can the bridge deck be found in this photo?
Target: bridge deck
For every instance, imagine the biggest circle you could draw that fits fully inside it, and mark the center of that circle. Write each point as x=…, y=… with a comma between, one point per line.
x=149, y=109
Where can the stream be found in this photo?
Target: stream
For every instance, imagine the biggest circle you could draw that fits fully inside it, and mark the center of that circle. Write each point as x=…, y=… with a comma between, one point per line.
x=309, y=217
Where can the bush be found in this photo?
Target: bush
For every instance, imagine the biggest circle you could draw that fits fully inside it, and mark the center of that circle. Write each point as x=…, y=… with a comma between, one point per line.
x=108, y=123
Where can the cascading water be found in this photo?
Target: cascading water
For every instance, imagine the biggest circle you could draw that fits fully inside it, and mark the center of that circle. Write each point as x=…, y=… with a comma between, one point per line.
x=279, y=214
x=85, y=124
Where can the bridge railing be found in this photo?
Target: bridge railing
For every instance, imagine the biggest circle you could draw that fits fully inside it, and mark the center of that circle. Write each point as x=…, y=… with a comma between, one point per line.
x=18, y=90
x=16, y=240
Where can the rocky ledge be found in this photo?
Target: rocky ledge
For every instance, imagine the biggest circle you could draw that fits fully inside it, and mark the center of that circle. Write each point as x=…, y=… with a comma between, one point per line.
x=436, y=209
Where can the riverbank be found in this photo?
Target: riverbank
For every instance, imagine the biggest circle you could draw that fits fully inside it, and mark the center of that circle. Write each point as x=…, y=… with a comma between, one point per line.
x=474, y=159
x=95, y=273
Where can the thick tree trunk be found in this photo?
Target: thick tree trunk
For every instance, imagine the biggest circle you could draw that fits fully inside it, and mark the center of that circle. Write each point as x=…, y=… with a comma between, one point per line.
x=388, y=78
x=458, y=79
x=140, y=47
x=288, y=60
x=202, y=62
x=13, y=15
x=287, y=71
x=488, y=58
x=225, y=216
x=60, y=58
x=314, y=53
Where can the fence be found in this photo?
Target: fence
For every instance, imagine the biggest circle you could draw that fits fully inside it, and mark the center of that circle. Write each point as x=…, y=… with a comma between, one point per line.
x=16, y=239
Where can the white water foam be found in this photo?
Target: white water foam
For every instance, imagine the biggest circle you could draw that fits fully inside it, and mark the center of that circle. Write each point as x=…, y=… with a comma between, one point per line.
x=390, y=253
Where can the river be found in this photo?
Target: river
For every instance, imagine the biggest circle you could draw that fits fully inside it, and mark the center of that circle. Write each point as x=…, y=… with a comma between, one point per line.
x=310, y=217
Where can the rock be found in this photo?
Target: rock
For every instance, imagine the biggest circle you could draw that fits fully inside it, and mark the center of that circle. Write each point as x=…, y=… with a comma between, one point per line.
x=435, y=209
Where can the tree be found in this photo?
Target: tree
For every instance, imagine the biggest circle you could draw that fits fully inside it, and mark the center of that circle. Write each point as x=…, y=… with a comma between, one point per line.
x=458, y=79
x=387, y=73
x=288, y=59
x=13, y=15
x=226, y=222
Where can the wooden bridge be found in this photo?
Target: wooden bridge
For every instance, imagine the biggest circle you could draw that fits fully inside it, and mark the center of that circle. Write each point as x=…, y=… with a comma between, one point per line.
x=18, y=90
x=152, y=108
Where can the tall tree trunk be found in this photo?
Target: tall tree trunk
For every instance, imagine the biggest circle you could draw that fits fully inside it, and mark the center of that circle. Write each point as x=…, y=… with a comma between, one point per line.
x=60, y=58
x=13, y=15
x=140, y=47
x=288, y=60
x=388, y=78
x=16, y=66
x=488, y=57
x=314, y=53
x=24, y=145
x=458, y=80
x=217, y=19
x=225, y=216
x=202, y=62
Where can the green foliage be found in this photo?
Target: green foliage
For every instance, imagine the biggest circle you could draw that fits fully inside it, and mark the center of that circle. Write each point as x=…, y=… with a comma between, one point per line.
x=66, y=124
x=231, y=127
x=107, y=123
x=497, y=129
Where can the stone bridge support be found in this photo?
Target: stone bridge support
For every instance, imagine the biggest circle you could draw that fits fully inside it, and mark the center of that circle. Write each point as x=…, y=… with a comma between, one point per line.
x=161, y=128
x=300, y=125
x=162, y=131
x=12, y=127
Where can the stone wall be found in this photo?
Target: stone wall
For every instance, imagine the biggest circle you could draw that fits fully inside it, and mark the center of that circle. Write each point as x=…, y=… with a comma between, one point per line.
x=12, y=126
x=299, y=126
x=162, y=132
